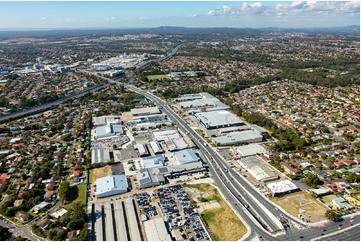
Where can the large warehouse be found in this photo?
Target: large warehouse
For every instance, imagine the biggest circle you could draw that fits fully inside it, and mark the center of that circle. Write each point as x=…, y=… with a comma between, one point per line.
x=185, y=156
x=145, y=111
x=109, y=130
x=258, y=169
x=155, y=230
x=166, y=135
x=238, y=137
x=248, y=150
x=152, y=161
x=111, y=185
x=217, y=119
x=103, y=120
x=151, y=177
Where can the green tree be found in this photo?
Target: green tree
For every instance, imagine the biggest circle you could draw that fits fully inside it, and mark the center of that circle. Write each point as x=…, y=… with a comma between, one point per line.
x=63, y=191
x=331, y=214
x=352, y=177
x=312, y=180
x=5, y=234
x=76, y=216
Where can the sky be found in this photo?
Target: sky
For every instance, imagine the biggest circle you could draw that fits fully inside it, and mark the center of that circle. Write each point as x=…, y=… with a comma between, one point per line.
x=139, y=14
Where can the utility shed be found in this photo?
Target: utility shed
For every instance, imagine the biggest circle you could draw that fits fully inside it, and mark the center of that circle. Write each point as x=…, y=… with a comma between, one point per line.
x=155, y=230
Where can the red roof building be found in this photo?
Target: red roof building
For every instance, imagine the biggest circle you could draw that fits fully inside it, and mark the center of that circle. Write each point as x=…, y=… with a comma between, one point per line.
x=339, y=163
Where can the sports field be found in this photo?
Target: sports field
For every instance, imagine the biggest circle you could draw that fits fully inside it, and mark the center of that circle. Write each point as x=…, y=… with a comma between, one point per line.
x=157, y=77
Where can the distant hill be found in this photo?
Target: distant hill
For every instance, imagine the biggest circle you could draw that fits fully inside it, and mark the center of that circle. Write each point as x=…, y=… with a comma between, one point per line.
x=53, y=33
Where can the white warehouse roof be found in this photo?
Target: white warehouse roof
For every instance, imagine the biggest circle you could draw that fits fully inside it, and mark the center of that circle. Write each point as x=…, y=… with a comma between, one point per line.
x=238, y=137
x=185, y=156
x=144, y=111
x=111, y=185
x=281, y=187
x=215, y=119
x=103, y=120
x=166, y=135
x=155, y=230
x=251, y=149
x=152, y=161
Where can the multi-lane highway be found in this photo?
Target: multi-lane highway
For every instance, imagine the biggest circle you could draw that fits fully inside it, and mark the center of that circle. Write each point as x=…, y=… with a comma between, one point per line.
x=227, y=183
x=256, y=210
x=48, y=105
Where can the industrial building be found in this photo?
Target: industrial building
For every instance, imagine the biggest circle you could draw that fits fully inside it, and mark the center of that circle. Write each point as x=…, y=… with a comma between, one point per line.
x=233, y=129
x=217, y=119
x=132, y=220
x=100, y=155
x=142, y=149
x=144, y=111
x=194, y=102
x=103, y=120
x=109, y=130
x=111, y=185
x=166, y=135
x=156, y=147
x=249, y=150
x=185, y=156
x=179, y=144
x=152, y=161
x=258, y=169
x=147, y=122
x=237, y=138
x=155, y=230
x=151, y=177
x=281, y=187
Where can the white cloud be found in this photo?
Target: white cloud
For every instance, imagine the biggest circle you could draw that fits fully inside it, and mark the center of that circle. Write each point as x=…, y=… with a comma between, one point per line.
x=226, y=10
x=110, y=19
x=255, y=8
x=43, y=18
x=297, y=7
x=326, y=7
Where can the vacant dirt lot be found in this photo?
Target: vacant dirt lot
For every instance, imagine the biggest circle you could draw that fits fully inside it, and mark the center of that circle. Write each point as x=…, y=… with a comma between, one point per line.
x=101, y=172
x=303, y=205
x=218, y=216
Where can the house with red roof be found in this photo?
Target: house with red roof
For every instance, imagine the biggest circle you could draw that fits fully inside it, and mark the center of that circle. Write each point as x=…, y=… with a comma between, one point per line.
x=339, y=164
x=76, y=173
x=3, y=181
x=349, y=162
x=289, y=168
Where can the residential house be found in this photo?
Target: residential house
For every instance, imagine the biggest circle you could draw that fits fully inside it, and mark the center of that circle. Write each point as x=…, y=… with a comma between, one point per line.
x=22, y=216
x=320, y=174
x=3, y=181
x=339, y=164
x=341, y=203
x=289, y=168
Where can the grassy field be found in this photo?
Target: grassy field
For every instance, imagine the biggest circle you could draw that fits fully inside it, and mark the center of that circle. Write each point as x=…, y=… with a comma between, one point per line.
x=157, y=77
x=91, y=172
x=100, y=172
x=222, y=222
x=297, y=202
x=328, y=198
x=82, y=190
x=79, y=194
